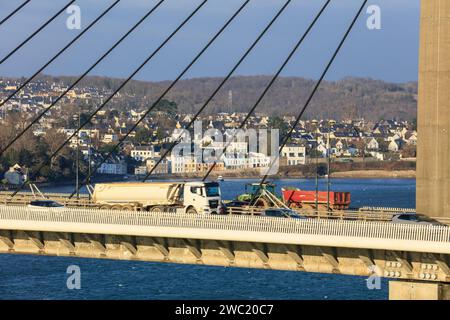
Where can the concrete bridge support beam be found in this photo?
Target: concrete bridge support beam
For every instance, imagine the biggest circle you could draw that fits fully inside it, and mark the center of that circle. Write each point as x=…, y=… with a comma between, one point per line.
x=433, y=152
x=410, y=290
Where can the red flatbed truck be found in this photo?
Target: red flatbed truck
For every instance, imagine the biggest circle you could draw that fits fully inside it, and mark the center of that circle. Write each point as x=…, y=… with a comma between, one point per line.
x=296, y=198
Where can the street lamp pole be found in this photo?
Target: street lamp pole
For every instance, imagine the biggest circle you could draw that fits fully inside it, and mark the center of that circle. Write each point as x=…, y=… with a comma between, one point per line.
x=78, y=160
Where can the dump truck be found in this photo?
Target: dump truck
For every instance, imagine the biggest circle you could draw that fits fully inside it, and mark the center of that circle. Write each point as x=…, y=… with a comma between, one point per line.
x=192, y=197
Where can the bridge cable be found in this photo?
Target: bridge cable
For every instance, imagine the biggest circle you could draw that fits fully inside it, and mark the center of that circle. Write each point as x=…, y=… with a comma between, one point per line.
x=249, y=50
x=272, y=81
x=59, y=54
x=36, y=32
x=142, y=65
x=316, y=87
x=14, y=12
x=117, y=90
x=186, y=69
x=47, y=109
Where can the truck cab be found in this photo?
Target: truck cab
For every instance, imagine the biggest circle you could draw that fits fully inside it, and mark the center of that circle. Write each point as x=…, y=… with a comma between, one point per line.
x=202, y=197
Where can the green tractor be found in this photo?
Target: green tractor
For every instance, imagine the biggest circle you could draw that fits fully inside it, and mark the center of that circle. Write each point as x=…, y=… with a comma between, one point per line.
x=260, y=195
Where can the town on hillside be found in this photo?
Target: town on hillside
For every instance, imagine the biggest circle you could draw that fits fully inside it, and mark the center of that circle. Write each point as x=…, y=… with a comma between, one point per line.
x=344, y=140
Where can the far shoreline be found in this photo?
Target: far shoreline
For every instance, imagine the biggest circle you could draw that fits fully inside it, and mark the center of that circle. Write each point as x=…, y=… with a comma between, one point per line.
x=358, y=174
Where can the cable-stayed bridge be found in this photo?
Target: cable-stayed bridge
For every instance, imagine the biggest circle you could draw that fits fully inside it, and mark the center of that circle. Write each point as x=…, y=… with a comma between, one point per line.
x=418, y=255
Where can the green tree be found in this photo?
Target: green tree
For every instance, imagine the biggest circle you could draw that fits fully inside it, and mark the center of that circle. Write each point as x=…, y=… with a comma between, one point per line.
x=167, y=106
x=142, y=136
x=106, y=148
x=278, y=123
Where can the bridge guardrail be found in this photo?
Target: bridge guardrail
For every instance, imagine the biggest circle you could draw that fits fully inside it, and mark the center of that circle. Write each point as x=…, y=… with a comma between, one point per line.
x=364, y=213
x=357, y=229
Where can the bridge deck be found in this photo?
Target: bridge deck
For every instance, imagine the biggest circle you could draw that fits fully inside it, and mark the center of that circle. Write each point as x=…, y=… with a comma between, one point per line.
x=340, y=233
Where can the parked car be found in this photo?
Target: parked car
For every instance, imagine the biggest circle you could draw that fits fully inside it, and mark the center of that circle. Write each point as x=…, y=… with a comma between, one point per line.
x=282, y=213
x=39, y=204
x=413, y=218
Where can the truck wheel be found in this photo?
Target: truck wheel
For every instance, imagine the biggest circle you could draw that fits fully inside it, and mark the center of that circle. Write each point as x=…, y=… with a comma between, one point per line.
x=117, y=207
x=128, y=208
x=104, y=207
x=156, y=209
x=191, y=210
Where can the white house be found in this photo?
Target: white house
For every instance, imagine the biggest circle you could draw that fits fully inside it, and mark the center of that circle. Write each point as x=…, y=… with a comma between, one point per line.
x=118, y=168
x=110, y=138
x=162, y=168
x=377, y=155
x=258, y=160
x=373, y=145
x=142, y=153
x=322, y=148
x=140, y=170
x=234, y=161
x=294, y=154
x=395, y=145
x=179, y=163
x=412, y=139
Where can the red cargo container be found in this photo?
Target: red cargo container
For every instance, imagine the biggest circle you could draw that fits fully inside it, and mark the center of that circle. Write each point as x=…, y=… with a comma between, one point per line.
x=338, y=200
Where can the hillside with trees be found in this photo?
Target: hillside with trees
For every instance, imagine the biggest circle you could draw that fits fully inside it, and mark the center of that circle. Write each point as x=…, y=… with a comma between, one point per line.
x=346, y=98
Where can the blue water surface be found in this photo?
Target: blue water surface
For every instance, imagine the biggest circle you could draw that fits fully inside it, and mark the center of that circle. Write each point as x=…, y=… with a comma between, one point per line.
x=42, y=277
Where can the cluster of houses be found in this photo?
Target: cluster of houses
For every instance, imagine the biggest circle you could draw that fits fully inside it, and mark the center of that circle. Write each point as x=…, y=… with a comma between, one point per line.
x=40, y=94
x=310, y=139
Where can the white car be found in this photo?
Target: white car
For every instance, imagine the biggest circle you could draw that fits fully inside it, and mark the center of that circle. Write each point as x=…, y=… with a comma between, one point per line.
x=40, y=204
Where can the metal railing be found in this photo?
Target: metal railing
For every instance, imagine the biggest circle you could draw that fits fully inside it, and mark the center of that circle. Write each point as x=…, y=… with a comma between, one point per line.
x=340, y=228
x=388, y=209
x=365, y=213
x=24, y=198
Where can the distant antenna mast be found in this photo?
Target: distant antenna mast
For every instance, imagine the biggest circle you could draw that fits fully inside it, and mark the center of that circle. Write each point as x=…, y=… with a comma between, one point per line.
x=230, y=101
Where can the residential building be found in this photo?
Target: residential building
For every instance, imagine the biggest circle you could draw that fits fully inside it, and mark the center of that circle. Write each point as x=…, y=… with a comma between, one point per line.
x=162, y=168
x=142, y=153
x=118, y=168
x=294, y=154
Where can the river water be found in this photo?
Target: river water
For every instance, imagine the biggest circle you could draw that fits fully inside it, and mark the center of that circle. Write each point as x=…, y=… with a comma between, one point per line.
x=38, y=277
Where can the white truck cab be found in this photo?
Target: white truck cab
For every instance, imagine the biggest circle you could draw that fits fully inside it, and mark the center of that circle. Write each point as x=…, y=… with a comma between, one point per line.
x=202, y=197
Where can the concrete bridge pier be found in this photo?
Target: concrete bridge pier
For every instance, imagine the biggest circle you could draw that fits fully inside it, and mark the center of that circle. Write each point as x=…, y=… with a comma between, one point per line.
x=412, y=290
x=433, y=152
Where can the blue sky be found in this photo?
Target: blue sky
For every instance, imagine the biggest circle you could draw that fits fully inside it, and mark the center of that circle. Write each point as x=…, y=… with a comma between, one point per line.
x=389, y=54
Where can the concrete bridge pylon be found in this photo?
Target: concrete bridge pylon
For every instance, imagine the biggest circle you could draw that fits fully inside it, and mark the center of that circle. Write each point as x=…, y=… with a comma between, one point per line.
x=433, y=152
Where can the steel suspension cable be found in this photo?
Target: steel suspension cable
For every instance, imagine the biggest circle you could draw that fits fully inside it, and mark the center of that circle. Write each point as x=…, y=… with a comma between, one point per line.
x=316, y=87
x=36, y=32
x=186, y=69
x=272, y=81
x=14, y=12
x=59, y=53
x=249, y=50
x=47, y=109
x=139, y=68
